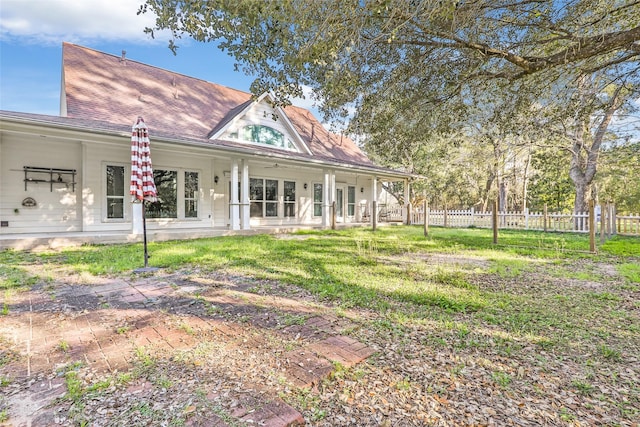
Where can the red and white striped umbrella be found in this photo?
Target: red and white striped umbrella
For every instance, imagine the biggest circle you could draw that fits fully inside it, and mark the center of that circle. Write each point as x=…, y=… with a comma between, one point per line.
x=142, y=185
x=143, y=188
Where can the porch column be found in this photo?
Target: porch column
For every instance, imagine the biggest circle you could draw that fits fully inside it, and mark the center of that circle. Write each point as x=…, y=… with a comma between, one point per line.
x=83, y=202
x=332, y=189
x=136, y=218
x=235, y=208
x=405, y=211
x=326, y=203
x=374, y=200
x=213, y=190
x=332, y=198
x=358, y=202
x=244, y=196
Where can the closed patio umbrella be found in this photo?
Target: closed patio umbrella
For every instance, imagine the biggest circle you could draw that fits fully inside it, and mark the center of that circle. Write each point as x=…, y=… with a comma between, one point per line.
x=143, y=188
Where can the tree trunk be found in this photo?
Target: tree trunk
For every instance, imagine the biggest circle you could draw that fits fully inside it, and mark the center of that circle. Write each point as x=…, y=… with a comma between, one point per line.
x=580, y=169
x=487, y=191
x=582, y=190
x=495, y=174
x=394, y=191
x=502, y=196
x=584, y=156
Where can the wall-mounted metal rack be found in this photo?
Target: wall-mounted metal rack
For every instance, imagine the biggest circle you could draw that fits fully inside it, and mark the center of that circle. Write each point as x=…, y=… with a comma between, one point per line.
x=51, y=176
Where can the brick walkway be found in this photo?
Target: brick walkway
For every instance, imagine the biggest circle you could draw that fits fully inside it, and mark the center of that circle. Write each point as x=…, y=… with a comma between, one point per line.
x=102, y=324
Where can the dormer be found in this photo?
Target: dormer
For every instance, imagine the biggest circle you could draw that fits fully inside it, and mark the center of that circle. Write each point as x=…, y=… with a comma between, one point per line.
x=260, y=123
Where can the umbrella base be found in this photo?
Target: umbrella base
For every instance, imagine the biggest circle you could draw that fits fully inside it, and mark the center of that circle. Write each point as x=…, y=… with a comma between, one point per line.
x=145, y=269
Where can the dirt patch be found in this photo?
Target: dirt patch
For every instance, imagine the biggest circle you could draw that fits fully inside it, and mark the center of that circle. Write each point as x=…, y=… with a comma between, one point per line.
x=210, y=348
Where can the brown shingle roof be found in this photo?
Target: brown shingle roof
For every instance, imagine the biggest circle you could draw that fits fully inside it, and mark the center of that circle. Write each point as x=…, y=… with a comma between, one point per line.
x=100, y=86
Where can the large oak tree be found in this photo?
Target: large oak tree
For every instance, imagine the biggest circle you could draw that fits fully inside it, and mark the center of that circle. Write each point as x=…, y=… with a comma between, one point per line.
x=405, y=71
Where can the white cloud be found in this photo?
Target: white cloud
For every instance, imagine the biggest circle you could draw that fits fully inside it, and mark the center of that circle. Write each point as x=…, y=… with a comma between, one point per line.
x=53, y=21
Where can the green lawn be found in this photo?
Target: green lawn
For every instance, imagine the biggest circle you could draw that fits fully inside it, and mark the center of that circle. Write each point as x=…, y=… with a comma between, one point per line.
x=538, y=302
x=356, y=267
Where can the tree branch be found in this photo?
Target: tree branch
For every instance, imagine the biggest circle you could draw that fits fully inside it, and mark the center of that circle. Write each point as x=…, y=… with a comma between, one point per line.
x=582, y=48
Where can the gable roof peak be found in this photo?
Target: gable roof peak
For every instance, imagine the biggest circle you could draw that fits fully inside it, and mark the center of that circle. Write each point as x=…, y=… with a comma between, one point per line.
x=237, y=114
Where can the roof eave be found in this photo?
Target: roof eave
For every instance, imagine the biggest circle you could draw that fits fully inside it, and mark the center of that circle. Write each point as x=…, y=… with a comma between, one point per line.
x=249, y=151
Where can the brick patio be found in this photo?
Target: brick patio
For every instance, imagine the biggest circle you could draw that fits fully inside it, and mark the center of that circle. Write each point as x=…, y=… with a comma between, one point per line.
x=102, y=325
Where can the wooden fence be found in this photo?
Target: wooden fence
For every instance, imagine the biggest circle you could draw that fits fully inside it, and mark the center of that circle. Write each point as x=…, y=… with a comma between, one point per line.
x=628, y=225
x=606, y=219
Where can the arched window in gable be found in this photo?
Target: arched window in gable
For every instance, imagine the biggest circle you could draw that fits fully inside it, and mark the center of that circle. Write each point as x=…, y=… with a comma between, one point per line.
x=264, y=135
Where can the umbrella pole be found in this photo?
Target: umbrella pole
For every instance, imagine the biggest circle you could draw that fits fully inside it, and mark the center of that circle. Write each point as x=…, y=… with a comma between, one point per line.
x=146, y=268
x=144, y=232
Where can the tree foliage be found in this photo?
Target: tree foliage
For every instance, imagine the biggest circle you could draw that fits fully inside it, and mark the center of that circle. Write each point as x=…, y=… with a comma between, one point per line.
x=349, y=50
x=619, y=179
x=430, y=81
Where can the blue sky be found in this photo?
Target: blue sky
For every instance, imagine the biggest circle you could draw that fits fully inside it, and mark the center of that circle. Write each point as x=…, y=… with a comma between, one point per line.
x=32, y=32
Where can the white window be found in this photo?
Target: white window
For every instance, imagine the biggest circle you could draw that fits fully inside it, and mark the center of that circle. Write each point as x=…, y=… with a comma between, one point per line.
x=351, y=201
x=317, y=200
x=115, y=191
x=289, y=199
x=263, y=194
x=170, y=201
x=191, y=194
x=167, y=188
x=264, y=135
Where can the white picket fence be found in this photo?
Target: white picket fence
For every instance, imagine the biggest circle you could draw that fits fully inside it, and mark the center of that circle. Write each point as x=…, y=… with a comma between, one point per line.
x=628, y=225
x=549, y=221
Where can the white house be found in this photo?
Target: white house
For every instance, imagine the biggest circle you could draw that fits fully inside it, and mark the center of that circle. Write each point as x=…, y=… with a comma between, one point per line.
x=223, y=161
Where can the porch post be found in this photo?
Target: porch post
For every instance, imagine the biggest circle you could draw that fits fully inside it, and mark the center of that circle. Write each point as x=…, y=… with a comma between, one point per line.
x=235, y=208
x=326, y=203
x=407, y=203
x=136, y=218
x=374, y=201
x=82, y=206
x=332, y=194
x=592, y=227
x=244, y=196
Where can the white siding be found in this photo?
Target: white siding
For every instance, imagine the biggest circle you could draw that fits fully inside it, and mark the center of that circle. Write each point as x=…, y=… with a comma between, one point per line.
x=98, y=156
x=84, y=209
x=57, y=210
x=263, y=114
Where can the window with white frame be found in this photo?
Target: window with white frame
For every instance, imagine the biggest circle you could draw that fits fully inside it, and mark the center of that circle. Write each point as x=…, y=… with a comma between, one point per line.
x=317, y=200
x=351, y=201
x=263, y=194
x=115, y=191
x=190, y=194
x=167, y=188
x=289, y=199
x=264, y=135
